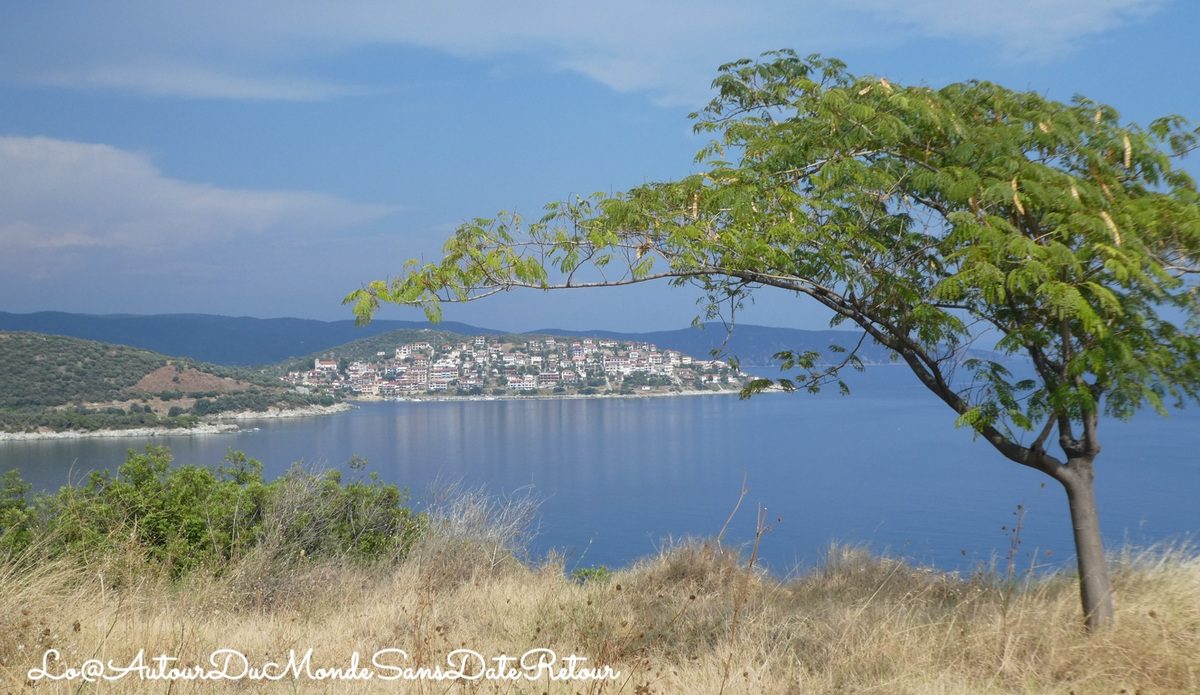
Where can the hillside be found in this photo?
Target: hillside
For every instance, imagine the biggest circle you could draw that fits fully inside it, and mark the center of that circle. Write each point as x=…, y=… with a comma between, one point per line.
x=409, y=363
x=215, y=339
x=58, y=383
x=753, y=346
x=366, y=348
x=251, y=341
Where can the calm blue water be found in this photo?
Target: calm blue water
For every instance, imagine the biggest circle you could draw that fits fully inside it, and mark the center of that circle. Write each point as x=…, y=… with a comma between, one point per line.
x=617, y=477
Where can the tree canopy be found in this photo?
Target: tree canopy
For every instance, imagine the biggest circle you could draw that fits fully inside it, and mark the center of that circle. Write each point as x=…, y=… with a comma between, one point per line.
x=935, y=219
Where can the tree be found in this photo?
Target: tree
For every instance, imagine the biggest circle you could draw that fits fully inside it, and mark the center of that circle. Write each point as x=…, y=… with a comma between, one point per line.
x=935, y=220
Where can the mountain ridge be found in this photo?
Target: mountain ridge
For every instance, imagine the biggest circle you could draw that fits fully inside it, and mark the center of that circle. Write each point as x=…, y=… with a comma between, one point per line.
x=246, y=341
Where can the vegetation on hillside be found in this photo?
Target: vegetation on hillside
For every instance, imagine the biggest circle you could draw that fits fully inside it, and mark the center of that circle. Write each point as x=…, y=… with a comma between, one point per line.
x=295, y=565
x=58, y=383
x=46, y=370
x=751, y=345
x=368, y=347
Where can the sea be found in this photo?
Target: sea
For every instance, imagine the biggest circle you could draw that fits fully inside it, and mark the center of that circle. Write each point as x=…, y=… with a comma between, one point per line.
x=614, y=480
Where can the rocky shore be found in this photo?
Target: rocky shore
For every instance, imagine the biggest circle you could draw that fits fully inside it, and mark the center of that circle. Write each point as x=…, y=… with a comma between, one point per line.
x=306, y=411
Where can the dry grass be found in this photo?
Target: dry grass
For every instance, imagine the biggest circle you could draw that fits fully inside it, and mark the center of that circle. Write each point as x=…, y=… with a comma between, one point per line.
x=691, y=620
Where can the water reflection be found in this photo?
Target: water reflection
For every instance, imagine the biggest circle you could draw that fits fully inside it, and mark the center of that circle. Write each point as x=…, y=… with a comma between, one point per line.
x=884, y=466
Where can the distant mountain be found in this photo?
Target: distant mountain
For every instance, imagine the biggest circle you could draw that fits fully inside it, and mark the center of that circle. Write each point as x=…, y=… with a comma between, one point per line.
x=753, y=346
x=251, y=341
x=368, y=348
x=218, y=339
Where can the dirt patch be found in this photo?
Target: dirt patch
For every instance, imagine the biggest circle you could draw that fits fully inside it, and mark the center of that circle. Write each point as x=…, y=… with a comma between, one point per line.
x=188, y=380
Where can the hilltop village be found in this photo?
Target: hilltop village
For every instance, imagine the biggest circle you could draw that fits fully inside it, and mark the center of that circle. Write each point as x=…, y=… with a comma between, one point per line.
x=485, y=366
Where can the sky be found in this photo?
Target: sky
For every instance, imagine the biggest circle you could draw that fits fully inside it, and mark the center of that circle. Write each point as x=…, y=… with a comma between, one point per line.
x=264, y=158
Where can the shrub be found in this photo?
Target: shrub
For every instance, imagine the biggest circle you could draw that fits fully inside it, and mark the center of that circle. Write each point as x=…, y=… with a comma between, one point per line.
x=181, y=518
x=312, y=515
x=16, y=514
x=598, y=574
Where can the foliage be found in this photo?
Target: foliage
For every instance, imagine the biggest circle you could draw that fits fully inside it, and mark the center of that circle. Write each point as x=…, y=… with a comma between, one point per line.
x=598, y=574
x=923, y=215
x=16, y=514
x=45, y=370
x=317, y=515
x=257, y=401
x=188, y=517
x=365, y=349
x=933, y=219
x=638, y=379
x=60, y=383
x=79, y=418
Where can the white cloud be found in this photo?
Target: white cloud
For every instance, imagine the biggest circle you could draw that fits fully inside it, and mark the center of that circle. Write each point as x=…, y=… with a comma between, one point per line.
x=59, y=194
x=263, y=49
x=1025, y=29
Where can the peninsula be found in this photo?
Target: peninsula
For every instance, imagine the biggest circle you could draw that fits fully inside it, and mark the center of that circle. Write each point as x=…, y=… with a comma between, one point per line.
x=498, y=366
x=55, y=386
x=58, y=386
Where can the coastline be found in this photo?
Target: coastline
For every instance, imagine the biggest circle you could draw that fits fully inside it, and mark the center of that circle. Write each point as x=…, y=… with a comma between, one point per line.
x=273, y=413
x=429, y=398
x=228, y=423
x=223, y=423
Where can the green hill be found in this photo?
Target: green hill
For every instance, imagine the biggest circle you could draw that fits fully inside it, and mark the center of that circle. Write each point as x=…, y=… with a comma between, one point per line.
x=251, y=341
x=57, y=383
x=216, y=339
x=366, y=348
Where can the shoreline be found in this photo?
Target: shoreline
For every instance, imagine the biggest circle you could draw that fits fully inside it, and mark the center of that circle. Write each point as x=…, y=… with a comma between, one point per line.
x=222, y=423
x=275, y=413
x=428, y=398
x=230, y=423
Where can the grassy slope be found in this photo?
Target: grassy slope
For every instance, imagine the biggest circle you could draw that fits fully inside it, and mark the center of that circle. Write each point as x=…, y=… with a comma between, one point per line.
x=44, y=372
x=693, y=620
x=366, y=348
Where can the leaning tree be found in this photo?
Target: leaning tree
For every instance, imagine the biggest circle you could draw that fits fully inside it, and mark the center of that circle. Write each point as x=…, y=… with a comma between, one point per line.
x=935, y=220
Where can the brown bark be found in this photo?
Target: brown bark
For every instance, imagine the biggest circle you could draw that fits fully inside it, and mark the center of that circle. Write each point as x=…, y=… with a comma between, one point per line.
x=1094, y=586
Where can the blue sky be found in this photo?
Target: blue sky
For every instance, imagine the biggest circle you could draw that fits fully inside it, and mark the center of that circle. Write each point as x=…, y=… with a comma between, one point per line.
x=264, y=158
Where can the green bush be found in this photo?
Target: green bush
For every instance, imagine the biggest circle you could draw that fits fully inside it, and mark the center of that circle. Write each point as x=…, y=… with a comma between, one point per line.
x=316, y=515
x=599, y=574
x=182, y=518
x=16, y=514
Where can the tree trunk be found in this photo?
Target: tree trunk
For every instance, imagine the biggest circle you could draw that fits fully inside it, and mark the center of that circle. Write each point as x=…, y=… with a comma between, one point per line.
x=1094, y=587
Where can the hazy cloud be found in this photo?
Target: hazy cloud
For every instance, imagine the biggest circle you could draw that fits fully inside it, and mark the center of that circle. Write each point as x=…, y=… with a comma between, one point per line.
x=263, y=49
x=59, y=194
x=195, y=82
x=1025, y=29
